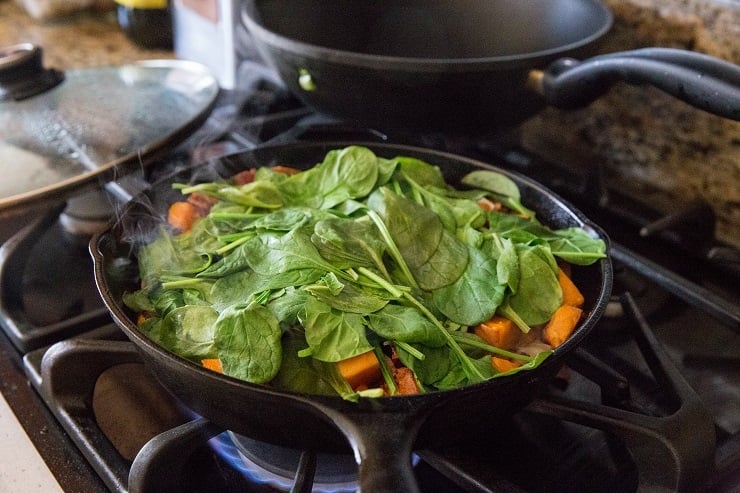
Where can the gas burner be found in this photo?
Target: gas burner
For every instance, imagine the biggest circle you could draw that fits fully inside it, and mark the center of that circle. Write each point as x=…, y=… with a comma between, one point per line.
x=38, y=266
x=87, y=214
x=280, y=466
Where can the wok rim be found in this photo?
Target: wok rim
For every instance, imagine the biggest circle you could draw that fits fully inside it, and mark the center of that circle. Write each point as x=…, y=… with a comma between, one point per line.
x=386, y=62
x=388, y=403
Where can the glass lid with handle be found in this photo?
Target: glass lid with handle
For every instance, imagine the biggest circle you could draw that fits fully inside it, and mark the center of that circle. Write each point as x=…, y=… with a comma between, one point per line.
x=61, y=132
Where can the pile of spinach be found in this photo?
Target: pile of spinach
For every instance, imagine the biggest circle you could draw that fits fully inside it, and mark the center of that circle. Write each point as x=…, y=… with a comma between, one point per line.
x=289, y=274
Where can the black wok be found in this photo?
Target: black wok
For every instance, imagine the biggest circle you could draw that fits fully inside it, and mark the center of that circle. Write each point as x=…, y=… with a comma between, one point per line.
x=465, y=65
x=381, y=432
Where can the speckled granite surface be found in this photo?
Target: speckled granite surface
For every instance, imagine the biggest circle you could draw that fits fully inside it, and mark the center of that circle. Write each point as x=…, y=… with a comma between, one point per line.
x=657, y=149
x=85, y=39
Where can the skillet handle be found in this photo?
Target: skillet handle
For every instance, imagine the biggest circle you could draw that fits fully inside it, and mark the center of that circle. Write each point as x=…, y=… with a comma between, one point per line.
x=705, y=82
x=382, y=442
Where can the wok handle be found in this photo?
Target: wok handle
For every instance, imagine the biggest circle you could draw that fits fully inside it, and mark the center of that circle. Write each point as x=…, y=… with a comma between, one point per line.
x=705, y=82
x=382, y=442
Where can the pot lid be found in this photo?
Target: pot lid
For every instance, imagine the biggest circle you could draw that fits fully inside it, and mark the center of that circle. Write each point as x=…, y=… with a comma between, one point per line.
x=65, y=131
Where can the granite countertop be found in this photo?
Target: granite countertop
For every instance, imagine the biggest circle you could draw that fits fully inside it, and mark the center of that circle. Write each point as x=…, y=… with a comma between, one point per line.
x=658, y=150
x=21, y=467
x=82, y=40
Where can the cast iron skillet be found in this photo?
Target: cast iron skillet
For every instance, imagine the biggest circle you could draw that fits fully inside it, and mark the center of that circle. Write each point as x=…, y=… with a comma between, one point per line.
x=381, y=432
x=465, y=65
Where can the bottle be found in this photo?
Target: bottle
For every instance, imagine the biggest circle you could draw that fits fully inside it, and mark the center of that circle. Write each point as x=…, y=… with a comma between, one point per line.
x=148, y=23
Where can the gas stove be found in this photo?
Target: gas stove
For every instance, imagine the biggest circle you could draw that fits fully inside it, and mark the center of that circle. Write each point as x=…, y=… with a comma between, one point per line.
x=650, y=402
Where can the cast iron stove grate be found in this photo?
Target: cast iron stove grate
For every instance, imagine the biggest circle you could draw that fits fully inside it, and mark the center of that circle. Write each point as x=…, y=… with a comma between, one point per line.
x=655, y=438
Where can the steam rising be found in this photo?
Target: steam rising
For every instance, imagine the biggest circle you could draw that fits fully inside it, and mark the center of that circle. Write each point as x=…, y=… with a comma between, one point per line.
x=235, y=125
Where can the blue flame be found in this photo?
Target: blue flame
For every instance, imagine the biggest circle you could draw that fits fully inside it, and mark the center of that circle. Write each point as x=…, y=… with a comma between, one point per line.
x=224, y=445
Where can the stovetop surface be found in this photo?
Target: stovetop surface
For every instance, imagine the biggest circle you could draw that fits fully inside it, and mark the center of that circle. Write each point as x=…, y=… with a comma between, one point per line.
x=542, y=448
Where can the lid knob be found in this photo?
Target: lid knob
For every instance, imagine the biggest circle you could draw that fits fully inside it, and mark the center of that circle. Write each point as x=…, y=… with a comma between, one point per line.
x=22, y=73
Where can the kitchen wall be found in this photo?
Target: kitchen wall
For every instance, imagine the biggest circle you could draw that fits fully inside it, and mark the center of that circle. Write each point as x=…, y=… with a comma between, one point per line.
x=657, y=149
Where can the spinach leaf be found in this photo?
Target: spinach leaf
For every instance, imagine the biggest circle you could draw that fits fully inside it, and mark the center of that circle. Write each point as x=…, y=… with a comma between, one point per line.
x=444, y=266
x=344, y=174
x=492, y=181
x=455, y=377
x=288, y=306
x=166, y=300
x=507, y=261
x=538, y=294
x=248, y=343
x=433, y=368
x=190, y=331
x=530, y=365
x=262, y=194
x=572, y=244
x=349, y=242
x=198, y=294
x=351, y=297
x=475, y=295
x=236, y=260
x=203, y=238
x=333, y=335
x=285, y=219
x=408, y=222
x=421, y=172
x=168, y=255
x=455, y=210
x=510, y=225
x=269, y=254
x=138, y=301
x=237, y=288
x=503, y=188
x=386, y=169
x=576, y=246
x=308, y=375
x=405, y=324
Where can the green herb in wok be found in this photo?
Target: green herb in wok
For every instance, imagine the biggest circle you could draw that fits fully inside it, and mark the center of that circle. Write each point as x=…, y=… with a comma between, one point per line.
x=282, y=278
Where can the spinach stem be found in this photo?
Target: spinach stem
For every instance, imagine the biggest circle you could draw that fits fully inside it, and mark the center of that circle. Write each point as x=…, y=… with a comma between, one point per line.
x=223, y=216
x=234, y=244
x=392, y=248
x=507, y=311
x=473, y=342
x=392, y=289
x=410, y=349
x=390, y=382
x=182, y=283
x=470, y=370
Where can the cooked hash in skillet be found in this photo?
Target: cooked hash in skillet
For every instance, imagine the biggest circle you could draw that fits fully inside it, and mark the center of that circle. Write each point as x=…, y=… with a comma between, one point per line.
x=360, y=276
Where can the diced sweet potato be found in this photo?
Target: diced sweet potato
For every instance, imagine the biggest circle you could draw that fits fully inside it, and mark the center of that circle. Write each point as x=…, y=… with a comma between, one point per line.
x=489, y=205
x=499, y=332
x=286, y=170
x=142, y=317
x=561, y=325
x=182, y=215
x=502, y=364
x=360, y=370
x=571, y=294
x=213, y=364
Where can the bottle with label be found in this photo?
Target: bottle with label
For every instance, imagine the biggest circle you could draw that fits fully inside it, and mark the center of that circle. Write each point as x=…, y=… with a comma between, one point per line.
x=147, y=23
